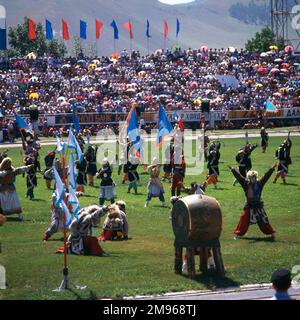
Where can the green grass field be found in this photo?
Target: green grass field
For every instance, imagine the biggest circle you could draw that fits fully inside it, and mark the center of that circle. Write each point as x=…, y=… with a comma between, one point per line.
x=144, y=264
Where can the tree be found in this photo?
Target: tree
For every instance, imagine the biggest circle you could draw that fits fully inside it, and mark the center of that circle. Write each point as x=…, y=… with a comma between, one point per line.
x=77, y=48
x=56, y=48
x=20, y=45
x=262, y=41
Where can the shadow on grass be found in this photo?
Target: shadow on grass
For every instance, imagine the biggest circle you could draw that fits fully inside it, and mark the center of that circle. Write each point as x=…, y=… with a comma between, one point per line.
x=259, y=239
x=39, y=200
x=157, y=206
x=91, y=295
x=212, y=281
x=291, y=184
x=14, y=219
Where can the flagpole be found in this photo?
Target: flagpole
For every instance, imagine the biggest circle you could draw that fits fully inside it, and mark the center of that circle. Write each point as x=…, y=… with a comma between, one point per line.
x=115, y=45
x=65, y=281
x=148, y=46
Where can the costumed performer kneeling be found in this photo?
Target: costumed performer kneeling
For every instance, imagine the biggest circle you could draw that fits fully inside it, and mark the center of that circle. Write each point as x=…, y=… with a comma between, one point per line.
x=116, y=223
x=81, y=241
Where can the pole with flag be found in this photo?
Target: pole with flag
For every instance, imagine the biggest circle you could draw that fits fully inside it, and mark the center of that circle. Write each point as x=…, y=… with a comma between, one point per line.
x=148, y=35
x=65, y=30
x=177, y=29
x=116, y=33
x=3, y=40
x=75, y=118
x=23, y=126
x=99, y=26
x=164, y=126
x=83, y=28
x=128, y=27
x=49, y=30
x=166, y=31
x=31, y=30
x=130, y=132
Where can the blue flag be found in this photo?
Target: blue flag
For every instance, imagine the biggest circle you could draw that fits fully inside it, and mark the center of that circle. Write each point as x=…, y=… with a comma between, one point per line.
x=270, y=106
x=73, y=144
x=49, y=30
x=165, y=128
x=116, y=31
x=3, y=38
x=72, y=172
x=60, y=189
x=75, y=118
x=3, y=42
x=83, y=27
x=22, y=124
x=177, y=27
x=148, y=29
x=132, y=131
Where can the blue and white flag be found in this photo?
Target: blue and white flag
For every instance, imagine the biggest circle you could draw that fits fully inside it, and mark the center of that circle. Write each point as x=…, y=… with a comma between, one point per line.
x=61, y=146
x=73, y=200
x=68, y=216
x=72, y=172
x=60, y=189
x=73, y=144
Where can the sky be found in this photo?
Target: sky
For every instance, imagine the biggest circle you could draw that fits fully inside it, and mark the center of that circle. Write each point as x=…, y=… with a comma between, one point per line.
x=175, y=1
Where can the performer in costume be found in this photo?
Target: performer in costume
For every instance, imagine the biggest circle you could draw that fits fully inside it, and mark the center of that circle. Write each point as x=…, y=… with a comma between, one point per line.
x=283, y=156
x=155, y=187
x=81, y=241
x=178, y=177
x=107, y=186
x=31, y=180
x=248, y=150
x=213, y=167
x=264, y=139
x=49, y=160
x=132, y=176
x=197, y=188
x=116, y=223
x=81, y=176
x=91, y=158
x=9, y=200
x=169, y=155
x=243, y=159
x=57, y=219
x=254, y=211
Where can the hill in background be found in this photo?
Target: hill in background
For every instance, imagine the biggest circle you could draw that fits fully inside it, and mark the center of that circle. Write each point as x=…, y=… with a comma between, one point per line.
x=203, y=22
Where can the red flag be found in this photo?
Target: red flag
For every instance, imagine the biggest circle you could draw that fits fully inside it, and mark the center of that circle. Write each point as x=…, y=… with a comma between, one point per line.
x=65, y=30
x=31, y=30
x=128, y=26
x=166, y=30
x=99, y=26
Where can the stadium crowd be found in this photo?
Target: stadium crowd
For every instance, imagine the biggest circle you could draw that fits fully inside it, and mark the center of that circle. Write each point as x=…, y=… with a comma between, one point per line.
x=177, y=79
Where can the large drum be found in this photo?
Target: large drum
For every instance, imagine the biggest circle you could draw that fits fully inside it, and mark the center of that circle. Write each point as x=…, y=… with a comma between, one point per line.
x=196, y=220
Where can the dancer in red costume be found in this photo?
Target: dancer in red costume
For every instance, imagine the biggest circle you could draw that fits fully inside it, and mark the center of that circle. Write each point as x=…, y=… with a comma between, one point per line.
x=254, y=211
